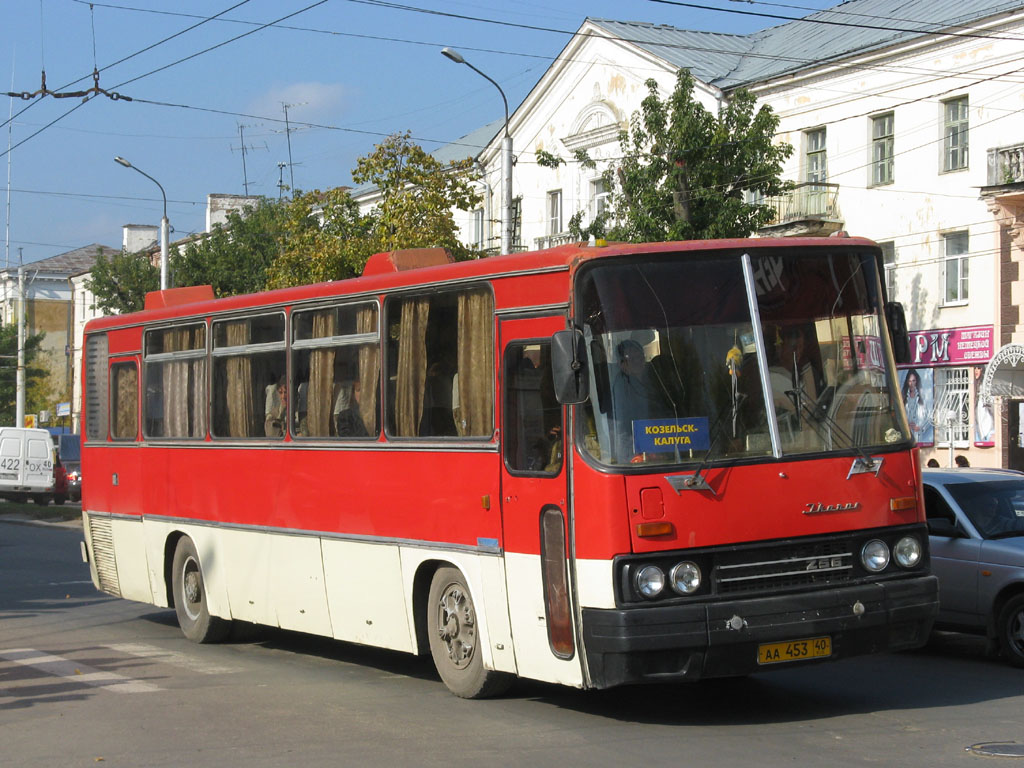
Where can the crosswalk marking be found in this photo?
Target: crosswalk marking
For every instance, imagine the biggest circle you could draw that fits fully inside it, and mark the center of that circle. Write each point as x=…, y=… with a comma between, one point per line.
x=76, y=672
x=170, y=657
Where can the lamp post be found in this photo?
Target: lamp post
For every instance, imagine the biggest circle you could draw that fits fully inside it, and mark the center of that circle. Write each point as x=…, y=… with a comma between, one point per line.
x=164, y=224
x=506, y=157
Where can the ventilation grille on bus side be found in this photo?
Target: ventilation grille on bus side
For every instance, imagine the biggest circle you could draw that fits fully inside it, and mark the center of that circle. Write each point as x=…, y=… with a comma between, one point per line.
x=102, y=536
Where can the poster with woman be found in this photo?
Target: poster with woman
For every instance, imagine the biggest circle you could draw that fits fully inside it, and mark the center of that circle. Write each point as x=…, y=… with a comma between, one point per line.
x=916, y=386
x=984, y=416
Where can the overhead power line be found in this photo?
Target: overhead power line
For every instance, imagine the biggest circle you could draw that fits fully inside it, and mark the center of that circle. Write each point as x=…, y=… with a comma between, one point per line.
x=96, y=89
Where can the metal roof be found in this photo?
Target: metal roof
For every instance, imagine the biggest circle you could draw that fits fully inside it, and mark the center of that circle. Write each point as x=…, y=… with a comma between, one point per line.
x=69, y=263
x=853, y=27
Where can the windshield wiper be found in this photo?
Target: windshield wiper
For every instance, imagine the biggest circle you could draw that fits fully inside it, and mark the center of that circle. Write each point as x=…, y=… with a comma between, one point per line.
x=818, y=413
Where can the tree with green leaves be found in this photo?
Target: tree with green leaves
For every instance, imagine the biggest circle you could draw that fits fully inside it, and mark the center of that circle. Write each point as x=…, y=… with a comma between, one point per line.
x=235, y=256
x=37, y=389
x=120, y=283
x=685, y=171
x=417, y=196
x=324, y=237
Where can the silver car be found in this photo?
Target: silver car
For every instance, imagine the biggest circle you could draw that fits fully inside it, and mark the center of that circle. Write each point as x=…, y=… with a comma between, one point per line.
x=976, y=522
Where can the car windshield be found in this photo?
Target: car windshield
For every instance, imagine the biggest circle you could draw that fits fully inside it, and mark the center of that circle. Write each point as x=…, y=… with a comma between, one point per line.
x=681, y=368
x=995, y=507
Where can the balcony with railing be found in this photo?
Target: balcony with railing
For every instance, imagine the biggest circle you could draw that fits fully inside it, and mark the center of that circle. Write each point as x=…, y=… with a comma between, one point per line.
x=1006, y=165
x=806, y=210
x=550, y=241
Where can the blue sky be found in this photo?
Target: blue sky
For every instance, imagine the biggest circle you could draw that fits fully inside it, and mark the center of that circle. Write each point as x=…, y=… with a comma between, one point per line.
x=357, y=69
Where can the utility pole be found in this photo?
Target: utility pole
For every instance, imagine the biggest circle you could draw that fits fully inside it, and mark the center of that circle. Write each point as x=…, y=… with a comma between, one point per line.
x=19, y=407
x=245, y=175
x=245, y=149
x=280, y=180
x=288, y=137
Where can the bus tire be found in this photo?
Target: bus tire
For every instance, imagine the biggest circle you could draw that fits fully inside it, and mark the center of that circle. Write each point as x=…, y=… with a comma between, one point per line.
x=454, y=639
x=189, y=589
x=1010, y=629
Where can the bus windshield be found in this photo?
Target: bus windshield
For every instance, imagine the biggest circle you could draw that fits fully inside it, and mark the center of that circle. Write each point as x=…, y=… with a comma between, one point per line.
x=685, y=351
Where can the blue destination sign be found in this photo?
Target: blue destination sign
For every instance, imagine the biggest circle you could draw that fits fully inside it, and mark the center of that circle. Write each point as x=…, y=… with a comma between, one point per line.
x=662, y=435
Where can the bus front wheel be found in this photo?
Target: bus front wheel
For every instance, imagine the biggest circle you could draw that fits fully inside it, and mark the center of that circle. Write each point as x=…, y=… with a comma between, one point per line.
x=189, y=590
x=454, y=639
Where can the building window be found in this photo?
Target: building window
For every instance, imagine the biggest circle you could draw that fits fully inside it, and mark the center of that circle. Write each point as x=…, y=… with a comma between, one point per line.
x=957, y=265
x=479, y=235
x=598, y=198
x=554, y=212
x=817, y=165
x=889, y=262
x=952, y=410
x=954, y=134
x=882, y=149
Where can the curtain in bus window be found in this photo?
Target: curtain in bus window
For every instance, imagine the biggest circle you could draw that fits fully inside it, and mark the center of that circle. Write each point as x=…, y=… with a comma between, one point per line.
x=126, y=403
x=320, y=397
x=240, y=405
x=412, y=366
x=473, y=412
x=369, y=367
x=184, y=385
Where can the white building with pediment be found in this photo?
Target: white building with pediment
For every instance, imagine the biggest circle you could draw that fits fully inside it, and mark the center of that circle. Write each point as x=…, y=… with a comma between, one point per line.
x=907, y=123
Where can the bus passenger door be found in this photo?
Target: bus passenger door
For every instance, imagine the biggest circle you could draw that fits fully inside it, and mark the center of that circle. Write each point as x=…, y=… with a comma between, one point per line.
x=535, y=512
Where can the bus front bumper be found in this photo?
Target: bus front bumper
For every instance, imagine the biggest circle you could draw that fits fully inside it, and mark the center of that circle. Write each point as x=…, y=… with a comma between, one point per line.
x=721, y=639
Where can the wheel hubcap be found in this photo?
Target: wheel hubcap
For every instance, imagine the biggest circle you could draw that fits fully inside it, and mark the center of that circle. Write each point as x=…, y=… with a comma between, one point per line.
x=192, y=588
x=456, y=625
x=1016, y=632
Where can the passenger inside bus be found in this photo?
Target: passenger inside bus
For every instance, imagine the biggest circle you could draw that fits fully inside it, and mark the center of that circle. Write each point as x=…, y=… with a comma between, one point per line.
x=634, y=396
x=348, y=421
x=276, y=409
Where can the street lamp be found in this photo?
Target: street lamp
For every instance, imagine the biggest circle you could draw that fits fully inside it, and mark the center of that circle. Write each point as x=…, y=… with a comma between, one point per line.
x=506, y=157
x=164, y=224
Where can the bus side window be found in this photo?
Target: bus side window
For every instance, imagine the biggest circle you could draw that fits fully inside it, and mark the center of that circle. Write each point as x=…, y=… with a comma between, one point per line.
x=96, y=399
x=440, y=369
x=533, y=417
x=249, y=358
x=124, y=401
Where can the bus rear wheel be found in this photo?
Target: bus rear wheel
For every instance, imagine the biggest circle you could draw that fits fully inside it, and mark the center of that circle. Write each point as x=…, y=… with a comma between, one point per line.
x=189, y=590
x=454, y=639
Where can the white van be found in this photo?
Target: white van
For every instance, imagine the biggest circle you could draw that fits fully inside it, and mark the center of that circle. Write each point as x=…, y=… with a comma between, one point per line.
x=26, y=463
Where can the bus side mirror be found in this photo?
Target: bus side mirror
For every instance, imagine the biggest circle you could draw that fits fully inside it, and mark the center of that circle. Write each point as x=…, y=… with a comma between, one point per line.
x=898, y=333
x=569, y=367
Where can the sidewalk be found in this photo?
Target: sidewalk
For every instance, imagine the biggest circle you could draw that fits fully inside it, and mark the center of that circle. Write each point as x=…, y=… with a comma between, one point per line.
x=68, y=515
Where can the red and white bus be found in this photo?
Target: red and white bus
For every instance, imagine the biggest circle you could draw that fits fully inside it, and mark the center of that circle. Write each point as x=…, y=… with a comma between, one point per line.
x=590, y=465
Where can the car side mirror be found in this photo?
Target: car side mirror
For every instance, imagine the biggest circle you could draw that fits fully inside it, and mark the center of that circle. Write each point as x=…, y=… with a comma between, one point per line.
x=569, y=367
x=943, y=526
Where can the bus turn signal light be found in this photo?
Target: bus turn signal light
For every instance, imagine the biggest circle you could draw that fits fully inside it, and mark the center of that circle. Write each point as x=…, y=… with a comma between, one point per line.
x=647, y=530
x=902, y=503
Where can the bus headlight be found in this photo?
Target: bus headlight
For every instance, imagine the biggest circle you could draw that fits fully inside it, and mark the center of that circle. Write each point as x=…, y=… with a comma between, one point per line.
x=650, y=580
x=685, y=578
x=907, y=552
x=875, y=556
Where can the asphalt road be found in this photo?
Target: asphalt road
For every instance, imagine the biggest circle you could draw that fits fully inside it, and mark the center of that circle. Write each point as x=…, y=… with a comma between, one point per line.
x=86, y=680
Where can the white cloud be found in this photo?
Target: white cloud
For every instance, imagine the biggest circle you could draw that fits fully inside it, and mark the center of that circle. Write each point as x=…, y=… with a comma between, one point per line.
x=310, y=102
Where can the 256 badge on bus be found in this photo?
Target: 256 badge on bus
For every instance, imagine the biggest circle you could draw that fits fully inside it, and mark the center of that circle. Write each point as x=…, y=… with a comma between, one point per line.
x=794, y=650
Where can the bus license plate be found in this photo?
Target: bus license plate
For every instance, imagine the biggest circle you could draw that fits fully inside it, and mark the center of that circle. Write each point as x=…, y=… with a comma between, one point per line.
x=794, y=650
